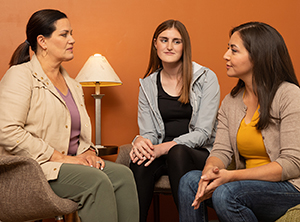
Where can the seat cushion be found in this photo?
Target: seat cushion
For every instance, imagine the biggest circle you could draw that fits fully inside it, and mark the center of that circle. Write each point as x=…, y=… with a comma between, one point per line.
x=293, y=214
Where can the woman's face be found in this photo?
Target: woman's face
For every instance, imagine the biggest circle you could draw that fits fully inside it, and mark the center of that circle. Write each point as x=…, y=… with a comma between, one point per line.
x=60, y=44
x=169, y=46
x=237, y=58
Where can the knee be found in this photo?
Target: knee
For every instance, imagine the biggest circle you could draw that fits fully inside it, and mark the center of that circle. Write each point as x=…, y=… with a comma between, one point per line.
x=222, y=196
x=100, y=179
x=177, y=149
x=92, y=180
x=124, y=173
x=188, y=183
x=176, y=152
x=140, y=171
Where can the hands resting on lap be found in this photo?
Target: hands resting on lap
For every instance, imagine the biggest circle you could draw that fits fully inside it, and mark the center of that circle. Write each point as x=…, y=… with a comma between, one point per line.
x=143, y=150
x=88, y=158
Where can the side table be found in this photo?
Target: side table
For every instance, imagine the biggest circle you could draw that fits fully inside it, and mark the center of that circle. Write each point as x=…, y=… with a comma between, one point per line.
x=107, y=150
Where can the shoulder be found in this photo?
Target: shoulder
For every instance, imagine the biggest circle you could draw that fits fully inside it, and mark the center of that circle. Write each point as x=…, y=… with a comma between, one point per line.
x=18, y=72
x=149, y=80
x=204, y=78
x=287, y=93
x=230, y=101
x=287, y=88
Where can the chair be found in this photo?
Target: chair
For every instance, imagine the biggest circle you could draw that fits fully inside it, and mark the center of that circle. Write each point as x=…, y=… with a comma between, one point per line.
x=162, y=186
x=25, y=194
x=293, y=214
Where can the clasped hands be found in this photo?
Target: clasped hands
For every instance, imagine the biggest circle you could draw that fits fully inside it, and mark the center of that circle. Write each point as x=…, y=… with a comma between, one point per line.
x=142, y=150
x=211, y=178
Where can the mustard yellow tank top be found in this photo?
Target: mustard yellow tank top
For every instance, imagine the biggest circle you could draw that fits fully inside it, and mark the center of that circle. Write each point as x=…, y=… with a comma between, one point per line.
x=250, y=143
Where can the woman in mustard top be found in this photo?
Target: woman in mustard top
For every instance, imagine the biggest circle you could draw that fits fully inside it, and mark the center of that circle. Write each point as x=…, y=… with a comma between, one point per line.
x=258, y=128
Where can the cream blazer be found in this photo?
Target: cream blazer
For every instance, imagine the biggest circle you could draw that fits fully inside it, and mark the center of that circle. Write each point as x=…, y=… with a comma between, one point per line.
x=34, y=119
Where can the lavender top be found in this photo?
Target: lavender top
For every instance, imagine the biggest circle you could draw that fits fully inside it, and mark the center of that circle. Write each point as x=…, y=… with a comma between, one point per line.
x=75, y=122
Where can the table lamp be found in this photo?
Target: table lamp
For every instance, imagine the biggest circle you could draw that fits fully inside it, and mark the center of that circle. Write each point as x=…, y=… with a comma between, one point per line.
x=97, y=73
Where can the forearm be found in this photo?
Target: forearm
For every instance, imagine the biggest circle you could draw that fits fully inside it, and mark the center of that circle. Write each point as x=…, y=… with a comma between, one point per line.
x=165, y=147
x=213, y=162
x=269, y=172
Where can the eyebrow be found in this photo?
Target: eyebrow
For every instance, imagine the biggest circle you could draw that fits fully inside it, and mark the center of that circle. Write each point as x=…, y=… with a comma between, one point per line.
x=232, y=45
x=66, y=30
x=163, y=37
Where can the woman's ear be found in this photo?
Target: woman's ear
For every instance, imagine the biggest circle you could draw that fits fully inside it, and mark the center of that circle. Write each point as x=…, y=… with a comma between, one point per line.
x=41, y=42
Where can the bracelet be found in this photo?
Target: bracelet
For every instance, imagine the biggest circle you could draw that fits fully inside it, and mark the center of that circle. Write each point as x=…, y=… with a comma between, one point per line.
x=92, y=149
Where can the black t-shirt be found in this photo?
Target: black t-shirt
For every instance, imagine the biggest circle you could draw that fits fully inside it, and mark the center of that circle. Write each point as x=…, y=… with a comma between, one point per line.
x=176, y=116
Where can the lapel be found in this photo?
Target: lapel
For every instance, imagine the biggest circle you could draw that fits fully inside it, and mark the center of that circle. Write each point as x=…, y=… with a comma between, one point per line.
x=39, y=74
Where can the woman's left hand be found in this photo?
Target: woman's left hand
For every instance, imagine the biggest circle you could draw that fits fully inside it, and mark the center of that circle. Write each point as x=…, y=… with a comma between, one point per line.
x=94, y=161
x=159, y=150
x=209, y=182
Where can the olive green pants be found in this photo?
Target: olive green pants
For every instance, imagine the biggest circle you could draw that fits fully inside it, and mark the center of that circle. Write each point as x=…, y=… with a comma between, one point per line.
x=108, y=196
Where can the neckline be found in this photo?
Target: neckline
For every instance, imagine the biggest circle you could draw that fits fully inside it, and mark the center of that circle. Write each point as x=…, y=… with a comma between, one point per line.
x=65, y=96
x=162, y=88
x=254, y=118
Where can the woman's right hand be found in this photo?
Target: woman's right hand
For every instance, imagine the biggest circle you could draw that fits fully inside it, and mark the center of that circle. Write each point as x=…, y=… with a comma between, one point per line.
x=142, y=149
x=75, y=160
x=80, y=159
x=210, y=180
x=202, y=193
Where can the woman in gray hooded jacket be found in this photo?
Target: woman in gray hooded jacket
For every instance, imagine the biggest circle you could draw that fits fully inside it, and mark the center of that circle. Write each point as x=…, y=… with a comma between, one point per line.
x=178, y=104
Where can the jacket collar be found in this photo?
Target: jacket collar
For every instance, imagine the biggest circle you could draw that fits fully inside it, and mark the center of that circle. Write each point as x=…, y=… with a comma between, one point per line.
x=39, y=74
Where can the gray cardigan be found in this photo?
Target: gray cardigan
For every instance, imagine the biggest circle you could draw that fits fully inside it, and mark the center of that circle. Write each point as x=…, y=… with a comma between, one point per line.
x=204, y=99
x=281, y=138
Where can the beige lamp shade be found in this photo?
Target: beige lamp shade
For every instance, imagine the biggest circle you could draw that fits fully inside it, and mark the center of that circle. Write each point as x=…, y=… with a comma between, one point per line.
x=97, y=71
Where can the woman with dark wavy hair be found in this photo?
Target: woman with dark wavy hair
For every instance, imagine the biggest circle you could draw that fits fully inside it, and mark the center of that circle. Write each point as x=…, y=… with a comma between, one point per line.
x=178, y=103
x=258, y=128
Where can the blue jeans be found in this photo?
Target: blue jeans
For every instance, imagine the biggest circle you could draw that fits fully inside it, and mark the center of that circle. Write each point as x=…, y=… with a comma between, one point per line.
x=247, y=200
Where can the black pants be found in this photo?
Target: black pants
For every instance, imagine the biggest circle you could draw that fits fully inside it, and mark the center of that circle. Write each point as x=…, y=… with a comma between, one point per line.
x=180, y=160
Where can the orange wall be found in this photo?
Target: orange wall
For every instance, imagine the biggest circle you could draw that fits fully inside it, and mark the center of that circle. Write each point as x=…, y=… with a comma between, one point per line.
x=121, y=30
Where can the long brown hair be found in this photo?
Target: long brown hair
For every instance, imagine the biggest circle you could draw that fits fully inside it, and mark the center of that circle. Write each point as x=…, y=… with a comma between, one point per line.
x=41, y=22
x=272, y=65
x=155, y=62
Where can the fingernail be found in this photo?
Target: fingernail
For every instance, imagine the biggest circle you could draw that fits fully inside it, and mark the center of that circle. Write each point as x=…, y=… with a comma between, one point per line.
x=101, y=168
x=91, y=165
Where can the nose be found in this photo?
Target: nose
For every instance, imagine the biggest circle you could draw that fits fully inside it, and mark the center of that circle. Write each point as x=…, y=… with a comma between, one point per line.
x=169, y=45
x=226, y=55
x=72, y=40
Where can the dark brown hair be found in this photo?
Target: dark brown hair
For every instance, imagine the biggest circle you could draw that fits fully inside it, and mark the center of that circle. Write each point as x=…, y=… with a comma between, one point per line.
x=155, y=62
x=272, y=65
x=41, y=22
